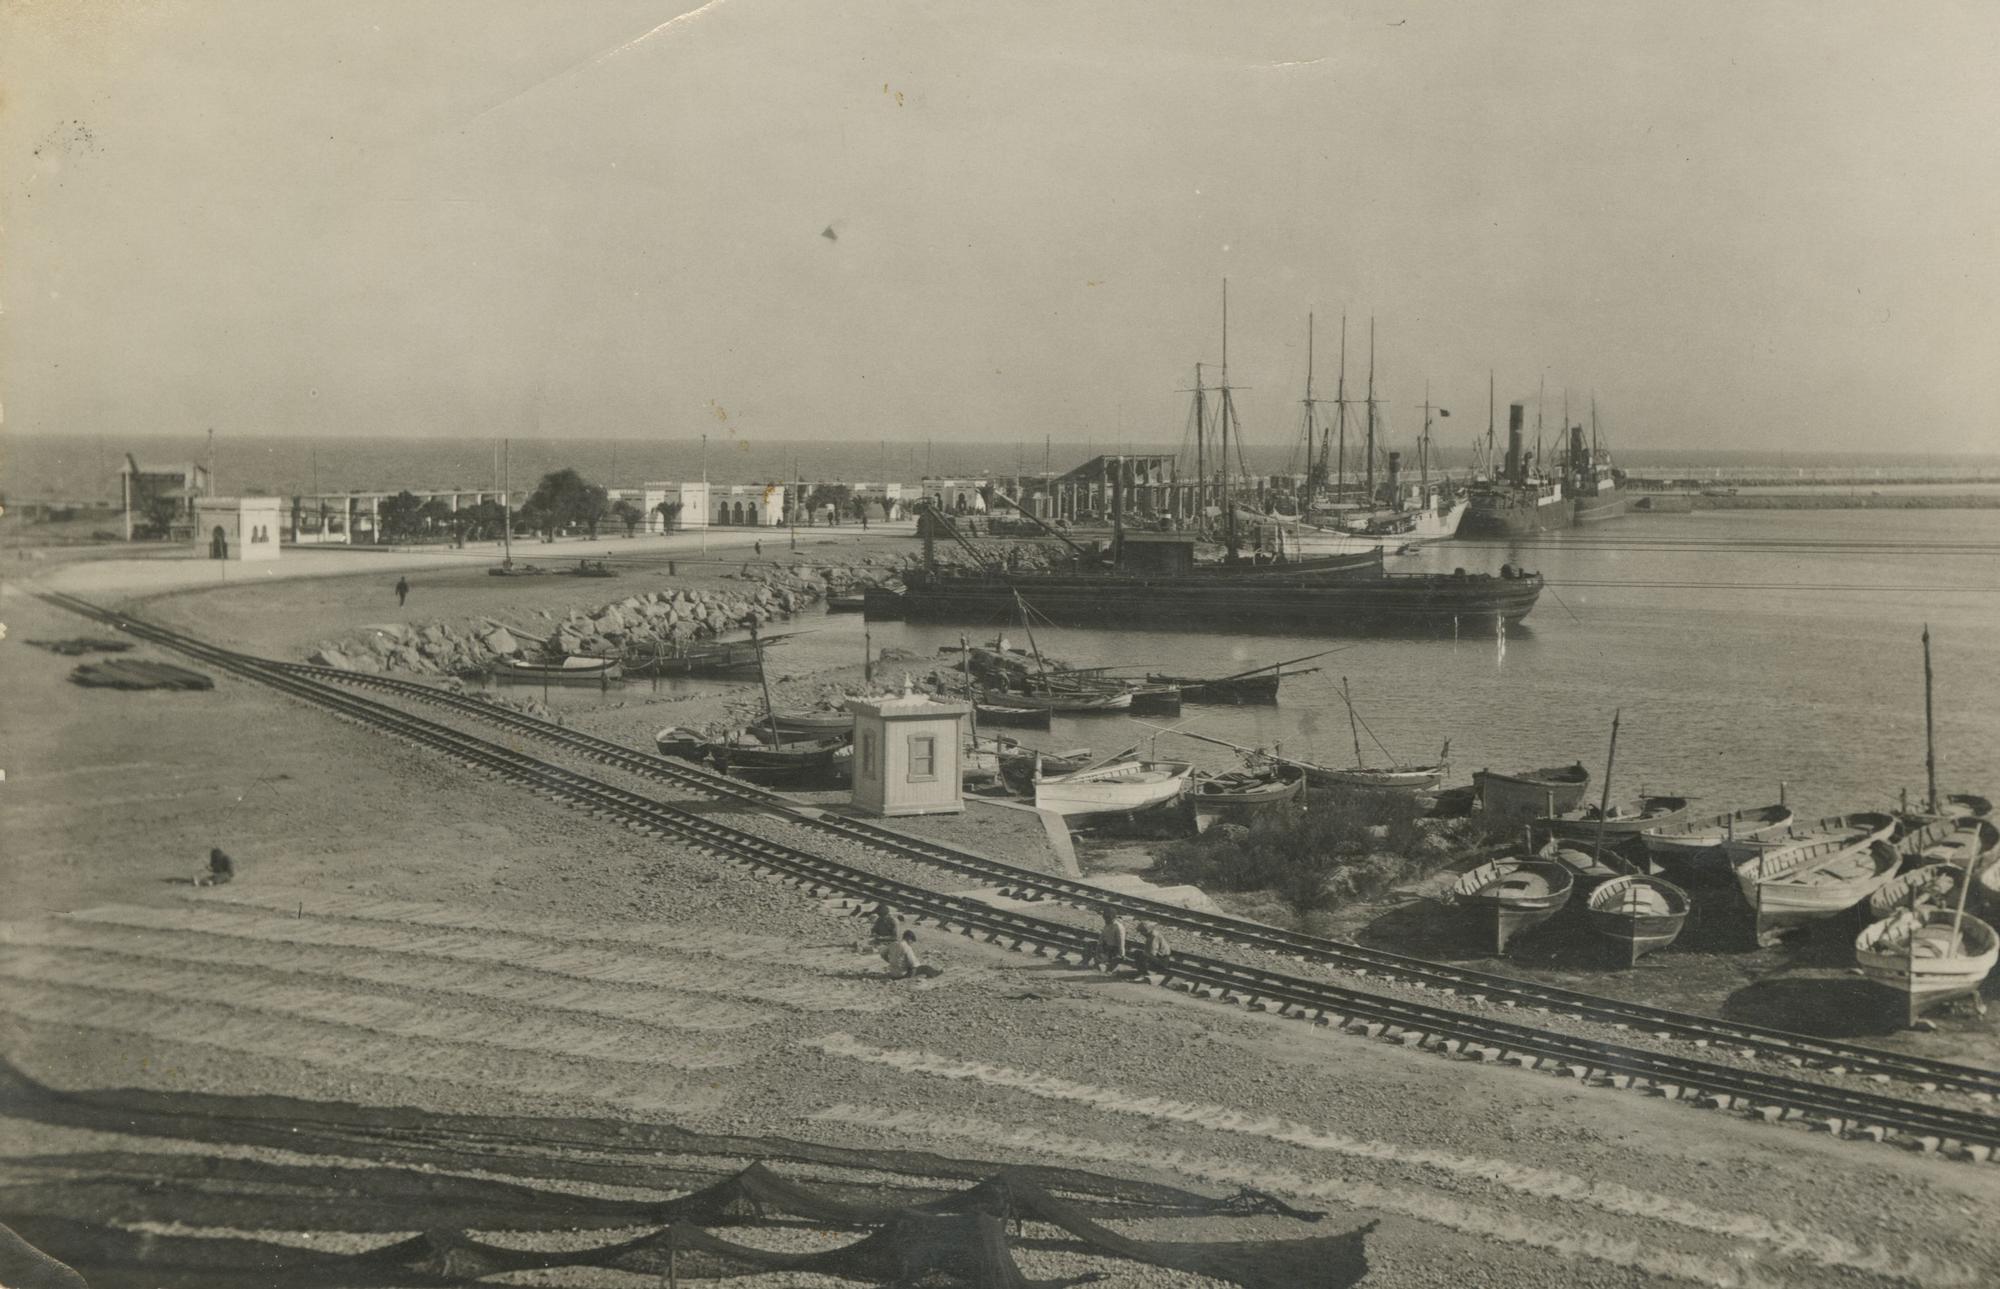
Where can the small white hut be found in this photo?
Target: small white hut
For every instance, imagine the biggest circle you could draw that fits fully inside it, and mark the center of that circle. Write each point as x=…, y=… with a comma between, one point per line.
x=906, y=755
x=238, y=528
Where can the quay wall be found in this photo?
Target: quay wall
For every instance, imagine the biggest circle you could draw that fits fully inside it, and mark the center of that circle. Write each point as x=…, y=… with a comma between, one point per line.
x=1682, y=502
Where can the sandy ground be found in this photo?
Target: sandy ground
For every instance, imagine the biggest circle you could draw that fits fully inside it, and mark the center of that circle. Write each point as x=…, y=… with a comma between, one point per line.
x=407, y=933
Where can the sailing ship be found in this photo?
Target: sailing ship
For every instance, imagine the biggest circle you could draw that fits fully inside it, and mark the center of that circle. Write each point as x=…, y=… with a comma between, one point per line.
x=1508, y=896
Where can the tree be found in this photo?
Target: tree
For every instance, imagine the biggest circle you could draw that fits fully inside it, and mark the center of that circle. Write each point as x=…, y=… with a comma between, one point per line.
x=161, y=512
x=436, y=514
x=566, y=499
x=399, y=517
x=628, y=514
x=670, y=515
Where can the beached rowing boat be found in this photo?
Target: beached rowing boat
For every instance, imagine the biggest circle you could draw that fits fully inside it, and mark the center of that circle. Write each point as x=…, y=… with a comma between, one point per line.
x=1789, y=889
x=570, y=671
x=1120, y=787
x=1530, y=794
x=1508, y=896
x=1241, y=795
x=1928, y=956
x=1620, y=823
x=1695, y=846
x=1638, y=914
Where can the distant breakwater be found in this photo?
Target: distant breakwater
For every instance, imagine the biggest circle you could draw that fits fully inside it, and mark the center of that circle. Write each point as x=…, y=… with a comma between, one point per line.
x=1681, y=502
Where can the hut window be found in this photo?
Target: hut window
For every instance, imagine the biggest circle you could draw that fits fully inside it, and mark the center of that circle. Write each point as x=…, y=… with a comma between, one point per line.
x=923, y=758
x=867, y=753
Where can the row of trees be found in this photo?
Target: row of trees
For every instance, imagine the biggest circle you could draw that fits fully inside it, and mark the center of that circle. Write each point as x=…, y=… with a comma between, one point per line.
x=563, y=501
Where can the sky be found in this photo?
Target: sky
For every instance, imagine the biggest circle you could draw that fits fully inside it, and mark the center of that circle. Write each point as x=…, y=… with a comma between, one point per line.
x=1734, y=226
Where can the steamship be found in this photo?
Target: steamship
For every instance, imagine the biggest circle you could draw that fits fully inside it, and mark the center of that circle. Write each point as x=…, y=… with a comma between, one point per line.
x=1523, y=500
x=1593, y=479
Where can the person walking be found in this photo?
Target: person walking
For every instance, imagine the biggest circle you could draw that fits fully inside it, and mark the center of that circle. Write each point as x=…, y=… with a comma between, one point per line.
x=402, y=590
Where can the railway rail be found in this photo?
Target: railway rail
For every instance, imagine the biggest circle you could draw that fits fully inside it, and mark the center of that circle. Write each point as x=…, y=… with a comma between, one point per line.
x=1822, y=1054
x=1771, y=1096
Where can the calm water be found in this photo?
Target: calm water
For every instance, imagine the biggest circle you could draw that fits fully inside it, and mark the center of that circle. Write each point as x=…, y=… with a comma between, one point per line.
x=1743, y=648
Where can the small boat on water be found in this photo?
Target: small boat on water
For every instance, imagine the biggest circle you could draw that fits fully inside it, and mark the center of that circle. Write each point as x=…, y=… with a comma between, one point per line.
x=1638, y=914
x=1260, y=688
x=1933, y=886
x=999, y=714
x=570, y=671
x=1530, y=794
x=1069, y=702
x=1619, y=823
x=1929, y=956
x=1508, y=896
x=1790, y=888
x=1241, y=795
x=856, y=602
x=1116, y=788
x=1695, y=846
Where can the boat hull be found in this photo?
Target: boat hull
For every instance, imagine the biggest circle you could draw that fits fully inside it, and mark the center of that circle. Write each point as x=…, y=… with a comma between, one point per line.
x=1515, y=512
x=1655, y=812
x=1404, y=778
x=528, y=673
x=1520, y=798
x=1509, y=896
x=1695, y=847
x=1638, y=915
x=1801, y=895
x=1590, y=509
x=1928, y=969
x=1428, y=603
x=1120, y=789
x=1029, y=718
x=1222, y=693
x=1216, y=802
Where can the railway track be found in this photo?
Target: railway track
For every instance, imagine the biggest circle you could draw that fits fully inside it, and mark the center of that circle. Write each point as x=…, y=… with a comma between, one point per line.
x=1771, y=1096
x=1820, y=1054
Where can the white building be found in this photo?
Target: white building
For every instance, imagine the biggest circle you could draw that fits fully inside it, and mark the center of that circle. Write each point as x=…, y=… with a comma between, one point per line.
x=692, y=498
x=239, y=528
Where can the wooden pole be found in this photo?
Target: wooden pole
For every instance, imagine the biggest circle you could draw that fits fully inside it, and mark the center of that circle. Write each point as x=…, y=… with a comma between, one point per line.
x=770, y=712
x=1930, y=727
x=867, y=655
x=1604, y=801
x=1352, y=727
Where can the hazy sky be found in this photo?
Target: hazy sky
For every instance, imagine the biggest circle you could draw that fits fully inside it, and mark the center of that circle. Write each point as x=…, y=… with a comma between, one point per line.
x=1763, y=225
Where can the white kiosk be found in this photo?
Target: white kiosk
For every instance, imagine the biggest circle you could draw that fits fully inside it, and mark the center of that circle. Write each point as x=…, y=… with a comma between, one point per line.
x=906, y=754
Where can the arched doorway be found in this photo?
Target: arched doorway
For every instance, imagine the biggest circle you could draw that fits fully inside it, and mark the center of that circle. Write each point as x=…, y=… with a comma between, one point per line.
x=218, y=543
x=736, y=513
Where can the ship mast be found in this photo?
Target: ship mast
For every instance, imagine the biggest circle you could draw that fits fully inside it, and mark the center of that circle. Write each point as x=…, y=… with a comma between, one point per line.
x=1424, y=451
x=1200, y=450
x=1371, y=413
x=1227, y=415
x=1541, y=396
x=1340, y=415
x=1305, y=500
x=1489, y=423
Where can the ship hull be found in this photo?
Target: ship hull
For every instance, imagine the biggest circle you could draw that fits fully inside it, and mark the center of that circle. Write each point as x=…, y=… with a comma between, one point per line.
x=1591, y=509
x=1431, y=603
x=1515, y=516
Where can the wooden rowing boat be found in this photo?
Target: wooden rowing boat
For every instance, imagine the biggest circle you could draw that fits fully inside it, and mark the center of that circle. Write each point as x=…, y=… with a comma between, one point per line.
x=1620, y=823
x=1809, y=839
x=855, y=603
x=1531, y=794
x=1508, y=896
x=745, y=751
x=1241, y=795
x=1638, y=914
x=1262, y=688
x=1695, y=846
x=1933, y=886
x=1074, y=703
x=1789, y=889
x=806, y=724
x=1118, y=788
x=570, y=671
x=1928, y=956
x=1381, y=778
x=686, y=744
x=1034, y=718
x=1964, y=803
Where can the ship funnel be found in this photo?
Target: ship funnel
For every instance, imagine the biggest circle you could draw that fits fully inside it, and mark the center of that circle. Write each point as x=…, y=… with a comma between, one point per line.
x=1515, y=411
x=1577, y=459
x=1395, y=478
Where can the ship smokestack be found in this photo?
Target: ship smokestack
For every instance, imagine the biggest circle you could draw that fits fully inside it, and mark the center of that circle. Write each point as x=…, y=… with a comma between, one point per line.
x=1515, y=412
x=1577, y=460
x=1395, y=478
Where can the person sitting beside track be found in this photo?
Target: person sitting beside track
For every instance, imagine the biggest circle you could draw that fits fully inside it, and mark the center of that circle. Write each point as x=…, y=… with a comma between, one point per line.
x=221, y=869
x=884, y=925
x=1153, y=952
x=901, y=955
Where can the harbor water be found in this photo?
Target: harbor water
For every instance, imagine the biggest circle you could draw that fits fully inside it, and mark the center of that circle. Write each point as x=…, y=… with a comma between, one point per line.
x=1744, y=648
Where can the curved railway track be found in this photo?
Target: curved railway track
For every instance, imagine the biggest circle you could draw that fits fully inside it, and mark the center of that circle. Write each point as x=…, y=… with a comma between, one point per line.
x=1823, y=1054
x=1772, y=1096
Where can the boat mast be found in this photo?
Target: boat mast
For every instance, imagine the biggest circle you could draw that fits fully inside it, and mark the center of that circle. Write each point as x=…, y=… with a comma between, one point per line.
x=1489, y=423
x=1200, y=450
x=1424, y=451
x=1541, y=396
x=1340, y=414
x=1029, y=627
x=770, y=713
x=1930, y=730
x=1353, y=728
x=507, y=500
x=1371, y=412
x=1228, y=408
x=1305, y=502
x=1604, y=802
